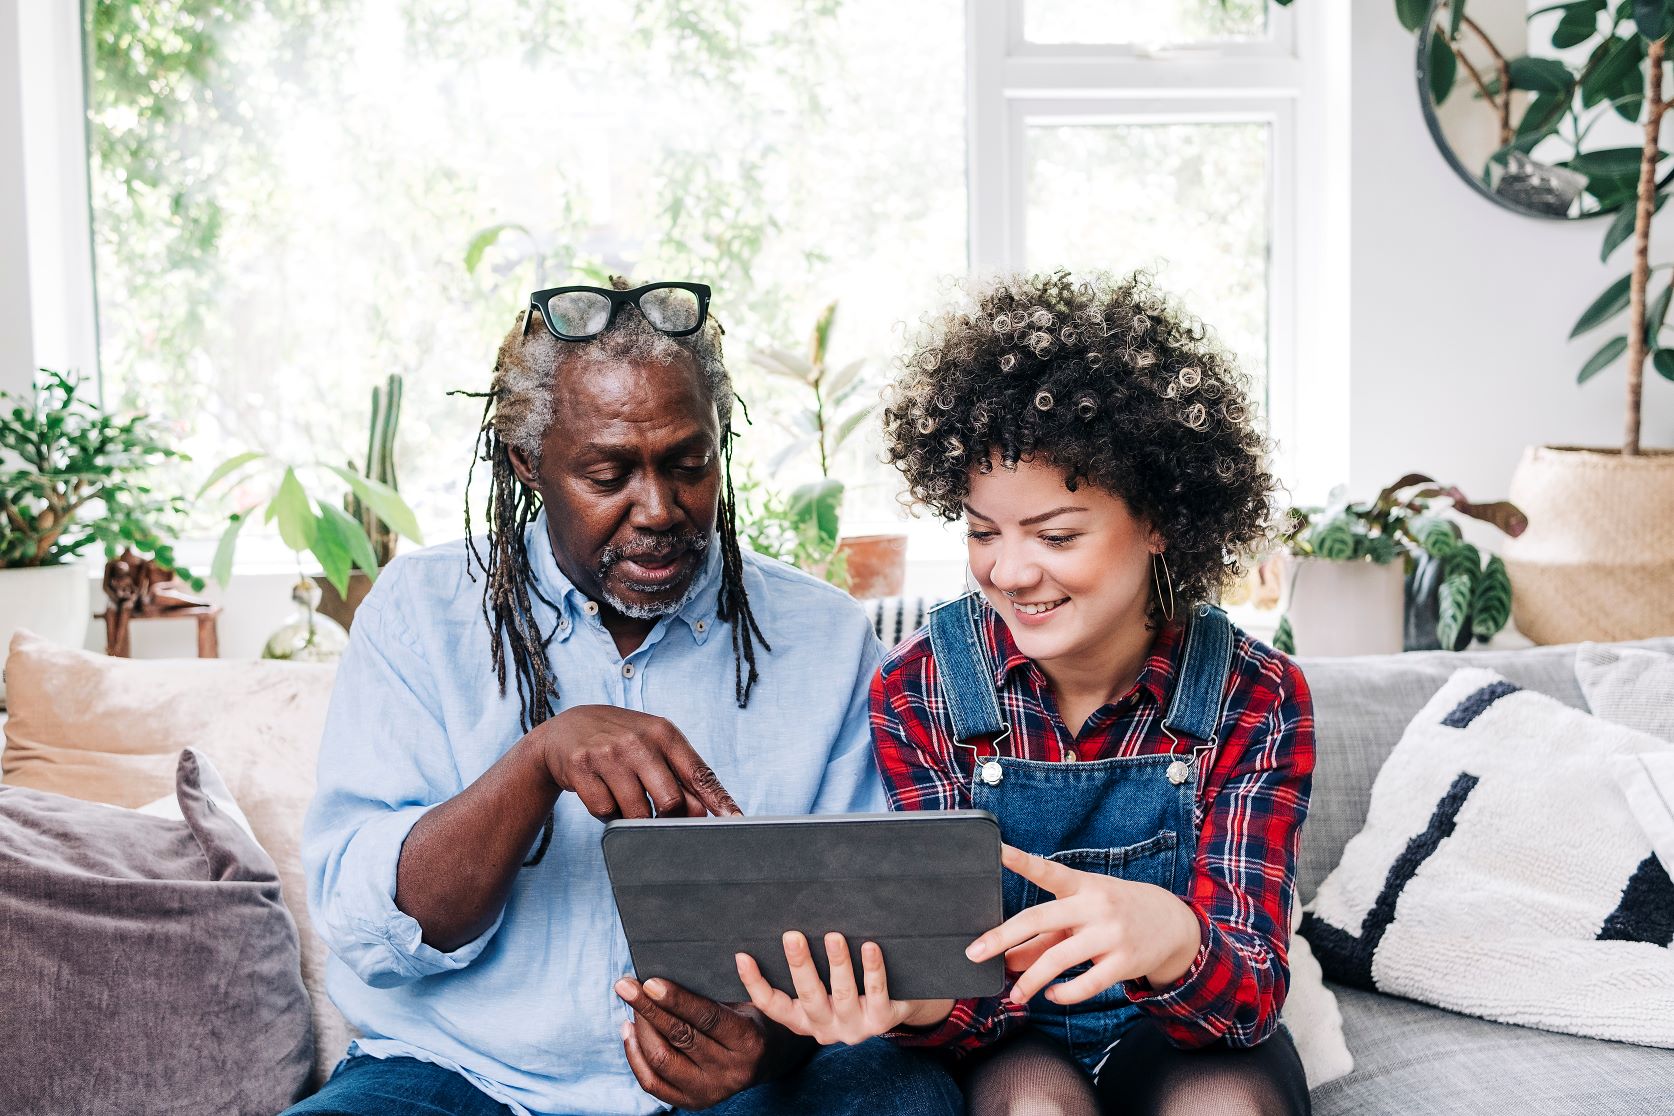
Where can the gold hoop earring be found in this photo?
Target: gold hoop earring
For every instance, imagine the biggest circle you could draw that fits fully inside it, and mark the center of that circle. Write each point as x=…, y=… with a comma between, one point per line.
x=1168, y=613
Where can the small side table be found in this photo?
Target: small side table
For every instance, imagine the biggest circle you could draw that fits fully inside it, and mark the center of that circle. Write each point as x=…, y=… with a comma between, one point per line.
x=209, y=645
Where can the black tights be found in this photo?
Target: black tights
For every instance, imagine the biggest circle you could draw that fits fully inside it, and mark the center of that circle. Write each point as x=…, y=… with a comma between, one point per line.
x=1148, y=1076
x=1144, y=1076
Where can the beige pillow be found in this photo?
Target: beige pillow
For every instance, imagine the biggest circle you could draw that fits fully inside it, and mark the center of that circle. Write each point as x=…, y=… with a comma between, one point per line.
x=110, y=730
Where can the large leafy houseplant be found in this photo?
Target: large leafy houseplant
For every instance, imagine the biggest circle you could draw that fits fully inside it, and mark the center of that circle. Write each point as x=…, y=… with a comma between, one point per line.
x=1621, y=77
x=73, y=476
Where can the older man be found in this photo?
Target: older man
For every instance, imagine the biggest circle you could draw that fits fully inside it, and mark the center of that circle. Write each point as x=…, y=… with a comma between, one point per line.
x=619, y=657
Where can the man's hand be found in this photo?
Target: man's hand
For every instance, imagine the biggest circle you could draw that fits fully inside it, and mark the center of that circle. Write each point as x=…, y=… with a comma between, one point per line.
x=691, y=1052
x=626, y=764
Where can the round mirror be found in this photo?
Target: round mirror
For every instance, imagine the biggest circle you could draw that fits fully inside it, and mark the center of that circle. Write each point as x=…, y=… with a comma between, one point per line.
x=1539, y=105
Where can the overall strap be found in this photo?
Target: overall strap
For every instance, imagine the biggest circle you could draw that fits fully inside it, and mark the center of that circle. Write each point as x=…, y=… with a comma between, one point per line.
x=1194, y=709
x=963, y=675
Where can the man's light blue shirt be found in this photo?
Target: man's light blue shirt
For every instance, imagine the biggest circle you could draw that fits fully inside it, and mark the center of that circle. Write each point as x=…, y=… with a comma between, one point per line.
x=526, y=1011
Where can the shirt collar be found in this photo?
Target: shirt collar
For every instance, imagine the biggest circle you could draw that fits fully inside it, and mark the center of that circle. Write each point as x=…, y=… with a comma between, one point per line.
x=698, y=614
x=1156, y=676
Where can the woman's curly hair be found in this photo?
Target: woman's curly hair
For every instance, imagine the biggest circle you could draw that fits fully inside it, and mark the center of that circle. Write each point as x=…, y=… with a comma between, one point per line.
x=1107, y=378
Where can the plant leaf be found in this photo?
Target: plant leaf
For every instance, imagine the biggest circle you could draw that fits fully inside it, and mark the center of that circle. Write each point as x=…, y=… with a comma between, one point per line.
x=220, y=570
x=783, y=363
x=1654, y=315
x=1606, y=306
x=1491, y=600
x=1579, y=23
x=1454, y=600
x=1602, y=359
x=1444, y=68
x=483, y=241
x=1610, y=162
x=1663, y=362
x=1540, y=75
x=1617, y=58
x=842, y=379
x=1412, y=13
x=354, y=537
x=1653, y=18
x=297, y=525
x=227, y=468
x=1622, y=226
x=332, y=550
x=815, y=506
x=385, y=502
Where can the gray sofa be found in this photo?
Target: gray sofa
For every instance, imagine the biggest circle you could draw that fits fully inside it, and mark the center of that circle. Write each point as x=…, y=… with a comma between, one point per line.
x=1409, y=1058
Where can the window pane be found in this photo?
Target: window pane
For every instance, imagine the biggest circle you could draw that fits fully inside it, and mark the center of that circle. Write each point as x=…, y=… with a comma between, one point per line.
x=285, y=197
x=1190, y=201
x=1144, y=21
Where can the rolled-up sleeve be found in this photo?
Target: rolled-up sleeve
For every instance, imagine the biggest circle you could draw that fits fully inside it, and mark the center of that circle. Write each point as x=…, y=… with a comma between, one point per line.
x=384, y=762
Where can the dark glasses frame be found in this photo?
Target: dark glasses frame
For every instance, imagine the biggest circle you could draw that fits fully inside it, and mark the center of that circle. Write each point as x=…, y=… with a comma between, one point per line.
x=540, y=300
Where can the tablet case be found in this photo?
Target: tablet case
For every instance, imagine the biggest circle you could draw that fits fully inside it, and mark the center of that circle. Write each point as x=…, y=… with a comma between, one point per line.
x=692, y=892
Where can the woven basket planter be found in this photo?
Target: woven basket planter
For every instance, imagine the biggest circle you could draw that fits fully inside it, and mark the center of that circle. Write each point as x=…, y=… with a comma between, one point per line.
x=1597, y=561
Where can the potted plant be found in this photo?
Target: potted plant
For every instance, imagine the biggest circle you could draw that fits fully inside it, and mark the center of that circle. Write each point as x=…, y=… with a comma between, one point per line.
x=310, y=521
x=71, y=476
x=379, y=467
x=1598, y=559
x=1392, y=574
x=870, y=565
x=800, y=528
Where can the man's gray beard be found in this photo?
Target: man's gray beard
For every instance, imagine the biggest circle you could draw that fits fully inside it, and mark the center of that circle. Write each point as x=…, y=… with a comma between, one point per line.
x=655, y=611
x=697, y=544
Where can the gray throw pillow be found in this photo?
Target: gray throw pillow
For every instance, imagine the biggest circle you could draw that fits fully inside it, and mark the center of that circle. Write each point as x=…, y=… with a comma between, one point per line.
x=1629, y=686
x=149, y=965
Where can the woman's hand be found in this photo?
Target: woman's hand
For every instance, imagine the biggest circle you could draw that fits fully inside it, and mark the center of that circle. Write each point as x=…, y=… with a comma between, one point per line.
x=1125, y=929
x=844, y=1014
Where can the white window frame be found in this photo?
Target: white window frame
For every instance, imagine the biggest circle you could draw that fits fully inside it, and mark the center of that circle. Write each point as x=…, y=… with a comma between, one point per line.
x=1012, y=83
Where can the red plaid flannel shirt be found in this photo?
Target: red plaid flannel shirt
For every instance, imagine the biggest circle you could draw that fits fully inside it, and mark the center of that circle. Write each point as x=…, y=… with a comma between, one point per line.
x=1252, y=798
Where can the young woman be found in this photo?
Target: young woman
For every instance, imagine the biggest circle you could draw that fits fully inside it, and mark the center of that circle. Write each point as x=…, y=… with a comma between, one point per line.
x=1148, y=762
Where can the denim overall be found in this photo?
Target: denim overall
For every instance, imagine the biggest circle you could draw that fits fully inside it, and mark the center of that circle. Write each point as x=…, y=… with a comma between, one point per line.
x=1133, y=817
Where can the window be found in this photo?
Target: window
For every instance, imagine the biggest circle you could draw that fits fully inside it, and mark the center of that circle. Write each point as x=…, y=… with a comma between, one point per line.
x=286, y=197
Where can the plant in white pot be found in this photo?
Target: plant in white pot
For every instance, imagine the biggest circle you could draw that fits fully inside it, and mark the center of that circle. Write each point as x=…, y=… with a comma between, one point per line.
x=865, y=565
x=1366, y=578
x=73, y=476
x=1598, y=559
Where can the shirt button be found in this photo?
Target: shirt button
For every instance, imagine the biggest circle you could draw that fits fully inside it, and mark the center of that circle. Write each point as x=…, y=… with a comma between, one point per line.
x=591, y=608
x=700, y=626
x=627, y=670
x=1069, y=755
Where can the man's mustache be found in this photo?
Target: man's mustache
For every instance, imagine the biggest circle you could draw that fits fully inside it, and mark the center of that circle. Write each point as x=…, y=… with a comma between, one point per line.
x=656, y=551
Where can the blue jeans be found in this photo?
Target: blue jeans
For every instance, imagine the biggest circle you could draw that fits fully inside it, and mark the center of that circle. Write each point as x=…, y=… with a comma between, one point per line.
x=874, y=1079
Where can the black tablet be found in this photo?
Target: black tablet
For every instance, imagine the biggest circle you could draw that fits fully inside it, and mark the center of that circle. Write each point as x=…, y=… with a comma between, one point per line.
x=693, y=892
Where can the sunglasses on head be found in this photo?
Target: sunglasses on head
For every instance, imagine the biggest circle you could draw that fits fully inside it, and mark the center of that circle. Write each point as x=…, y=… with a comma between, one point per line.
x=582, y=313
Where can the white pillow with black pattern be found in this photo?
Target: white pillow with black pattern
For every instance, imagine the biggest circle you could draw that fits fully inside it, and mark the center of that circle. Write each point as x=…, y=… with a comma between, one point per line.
x=1501, y=873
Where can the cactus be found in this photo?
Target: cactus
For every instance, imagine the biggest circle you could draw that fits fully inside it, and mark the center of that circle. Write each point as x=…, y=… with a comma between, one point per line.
x=380, y=465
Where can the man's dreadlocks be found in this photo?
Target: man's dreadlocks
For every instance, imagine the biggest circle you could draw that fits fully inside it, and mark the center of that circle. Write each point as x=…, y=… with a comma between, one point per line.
x=517, y=414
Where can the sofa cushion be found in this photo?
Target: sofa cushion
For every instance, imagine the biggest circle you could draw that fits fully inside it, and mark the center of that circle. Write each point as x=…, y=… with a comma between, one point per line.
x=1628, y=685
x=150, y=964
x=1414, y=1060
x=1363, y=703
x=110, y=730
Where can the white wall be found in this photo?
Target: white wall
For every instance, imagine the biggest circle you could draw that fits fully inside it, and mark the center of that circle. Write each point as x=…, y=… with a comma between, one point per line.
x=1460, y=310
x=17, y=345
